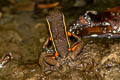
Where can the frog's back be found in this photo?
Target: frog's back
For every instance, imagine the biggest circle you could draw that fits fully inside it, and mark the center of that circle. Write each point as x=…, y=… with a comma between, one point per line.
x=58, y=32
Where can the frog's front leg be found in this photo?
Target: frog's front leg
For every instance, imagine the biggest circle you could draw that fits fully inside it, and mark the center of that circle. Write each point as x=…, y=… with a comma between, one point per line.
x=47, y=44
x=76, y=47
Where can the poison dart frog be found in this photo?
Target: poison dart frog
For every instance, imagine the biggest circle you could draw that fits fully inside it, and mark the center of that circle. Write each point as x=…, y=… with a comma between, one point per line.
x=62, y=50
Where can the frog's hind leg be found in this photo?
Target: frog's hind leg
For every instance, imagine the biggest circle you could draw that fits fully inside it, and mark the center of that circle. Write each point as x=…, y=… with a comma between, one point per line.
x=76, y=50
x=76, y=47
x=50, y=59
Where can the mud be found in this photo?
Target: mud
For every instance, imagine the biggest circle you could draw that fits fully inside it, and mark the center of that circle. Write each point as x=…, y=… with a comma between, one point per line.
x=22, y=34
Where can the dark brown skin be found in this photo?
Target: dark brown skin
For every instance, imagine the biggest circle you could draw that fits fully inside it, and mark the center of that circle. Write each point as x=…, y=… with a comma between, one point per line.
x=59, y=36
x=57, y=27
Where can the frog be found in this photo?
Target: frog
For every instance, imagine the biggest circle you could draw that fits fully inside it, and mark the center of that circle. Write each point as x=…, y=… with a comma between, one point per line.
x=59, y=48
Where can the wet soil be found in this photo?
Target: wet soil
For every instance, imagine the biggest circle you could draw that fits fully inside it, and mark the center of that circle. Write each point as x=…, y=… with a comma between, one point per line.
x=22, y=34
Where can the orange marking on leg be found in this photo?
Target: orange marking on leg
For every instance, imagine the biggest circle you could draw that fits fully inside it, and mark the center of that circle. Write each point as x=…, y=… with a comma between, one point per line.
x=56, y=54
x=69, y=49
x=69, y=34
x=75, y=46
x=50, y=38
x=53, y=57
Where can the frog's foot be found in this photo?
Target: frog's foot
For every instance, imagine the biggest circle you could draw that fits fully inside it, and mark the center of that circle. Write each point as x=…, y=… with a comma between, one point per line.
x=61, y=63
x=50, y=61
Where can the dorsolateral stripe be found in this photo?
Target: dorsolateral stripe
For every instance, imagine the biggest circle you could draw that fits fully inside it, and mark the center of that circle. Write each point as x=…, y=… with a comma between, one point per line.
x=51, y=35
